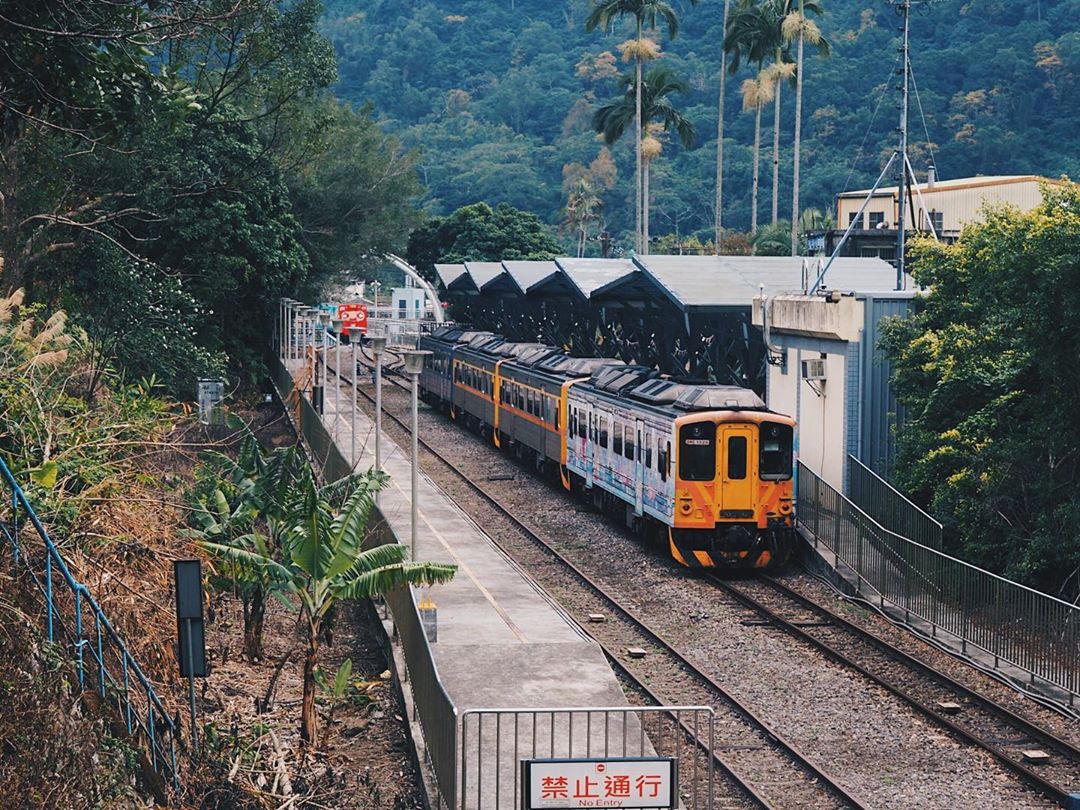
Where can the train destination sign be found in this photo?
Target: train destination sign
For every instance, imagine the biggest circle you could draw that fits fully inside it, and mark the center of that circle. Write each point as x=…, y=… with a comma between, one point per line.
x=623, y=782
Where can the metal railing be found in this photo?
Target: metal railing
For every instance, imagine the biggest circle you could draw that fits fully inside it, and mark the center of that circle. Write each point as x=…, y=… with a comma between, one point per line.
x=400, y=331
x=1025, y=635
x=889, y=507
x=76, y=623
x=495, y=741
x=433, y=706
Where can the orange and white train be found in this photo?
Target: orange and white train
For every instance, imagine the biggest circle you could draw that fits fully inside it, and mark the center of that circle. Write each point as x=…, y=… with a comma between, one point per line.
x=705, y=471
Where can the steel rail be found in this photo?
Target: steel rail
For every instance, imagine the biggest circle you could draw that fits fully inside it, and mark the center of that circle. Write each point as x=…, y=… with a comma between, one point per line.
x=801, y=760
x=1000, y=713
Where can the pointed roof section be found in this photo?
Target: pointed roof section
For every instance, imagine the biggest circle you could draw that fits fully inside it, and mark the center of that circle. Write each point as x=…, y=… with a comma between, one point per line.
x=449, y=273
x=525, y=274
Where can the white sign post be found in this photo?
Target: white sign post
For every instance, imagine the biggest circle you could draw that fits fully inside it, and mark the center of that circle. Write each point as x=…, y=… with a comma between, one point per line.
x=624, y=782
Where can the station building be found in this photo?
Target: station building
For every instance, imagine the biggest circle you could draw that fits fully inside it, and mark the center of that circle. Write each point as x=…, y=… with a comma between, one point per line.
x=942, y=205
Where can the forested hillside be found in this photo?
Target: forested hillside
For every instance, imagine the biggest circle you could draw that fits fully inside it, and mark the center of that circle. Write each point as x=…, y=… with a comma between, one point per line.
x=500, y=97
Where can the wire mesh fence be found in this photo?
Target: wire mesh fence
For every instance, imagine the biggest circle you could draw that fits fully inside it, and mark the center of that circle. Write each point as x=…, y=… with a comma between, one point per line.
x=1014, y=627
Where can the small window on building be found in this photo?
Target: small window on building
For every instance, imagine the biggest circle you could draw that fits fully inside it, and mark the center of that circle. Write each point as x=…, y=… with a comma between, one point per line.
x=937, y=220
x=854, y=218
x=877, y=219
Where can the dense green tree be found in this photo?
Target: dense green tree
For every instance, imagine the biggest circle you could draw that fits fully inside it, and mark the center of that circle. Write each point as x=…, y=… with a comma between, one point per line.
x=478, y=233
x=986, y=371
x=1019, y=59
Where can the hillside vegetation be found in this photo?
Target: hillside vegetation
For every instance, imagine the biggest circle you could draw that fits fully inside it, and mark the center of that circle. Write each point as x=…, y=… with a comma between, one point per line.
x=499, y=96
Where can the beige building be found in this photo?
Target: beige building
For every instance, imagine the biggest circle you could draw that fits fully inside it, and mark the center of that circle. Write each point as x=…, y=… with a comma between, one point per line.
x=946, y=204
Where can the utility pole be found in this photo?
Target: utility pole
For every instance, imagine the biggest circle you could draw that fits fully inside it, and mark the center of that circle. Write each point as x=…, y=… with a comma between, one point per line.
x=905, y=72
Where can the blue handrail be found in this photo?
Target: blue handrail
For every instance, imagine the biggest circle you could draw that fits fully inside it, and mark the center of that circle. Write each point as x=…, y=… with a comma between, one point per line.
x=159, y=730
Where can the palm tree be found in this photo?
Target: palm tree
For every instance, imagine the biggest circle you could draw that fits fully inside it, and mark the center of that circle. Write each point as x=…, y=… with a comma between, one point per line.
x=583, y=206
x=247, y=510
x=751, y=34
x=772, y=240
x=323, y=561
x=797, y=26
x=603, y=16
x=720, y=142
x=657, y=112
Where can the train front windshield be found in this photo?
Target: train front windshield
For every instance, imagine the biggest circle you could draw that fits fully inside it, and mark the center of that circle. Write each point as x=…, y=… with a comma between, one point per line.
x=775, y=442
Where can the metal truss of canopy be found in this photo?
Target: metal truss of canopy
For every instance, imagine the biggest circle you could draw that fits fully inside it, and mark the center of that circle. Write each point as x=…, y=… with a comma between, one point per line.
x=686, y=315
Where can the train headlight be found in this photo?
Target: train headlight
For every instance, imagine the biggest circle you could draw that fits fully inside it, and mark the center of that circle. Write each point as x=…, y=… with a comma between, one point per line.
x=785, y=507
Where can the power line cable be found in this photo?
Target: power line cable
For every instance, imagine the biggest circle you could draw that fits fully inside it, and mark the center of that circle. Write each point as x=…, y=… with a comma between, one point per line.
x=922, y=115
x=885, y=89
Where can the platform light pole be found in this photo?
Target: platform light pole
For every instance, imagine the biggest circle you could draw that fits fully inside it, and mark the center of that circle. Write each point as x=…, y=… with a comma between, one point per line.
x=309, y=335
x=324, y=321
x=378, y=346
x=286, y=331
x=339, y=326
x=414, y=364
x=355, y=333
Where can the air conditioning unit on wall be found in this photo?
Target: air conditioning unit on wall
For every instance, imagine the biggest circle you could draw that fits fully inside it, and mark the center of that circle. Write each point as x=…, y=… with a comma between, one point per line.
x=813, y=369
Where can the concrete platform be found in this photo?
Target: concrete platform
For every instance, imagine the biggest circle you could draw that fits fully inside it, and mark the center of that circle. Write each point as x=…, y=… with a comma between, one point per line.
x=502, y=642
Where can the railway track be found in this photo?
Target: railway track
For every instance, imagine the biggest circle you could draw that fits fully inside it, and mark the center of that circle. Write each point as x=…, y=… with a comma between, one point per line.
x=978, y=721
x=974, y=718
x=764, y=767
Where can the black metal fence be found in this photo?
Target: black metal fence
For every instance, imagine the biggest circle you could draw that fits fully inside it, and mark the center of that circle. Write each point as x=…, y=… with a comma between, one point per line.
x=889, y=507
x=1018, y=630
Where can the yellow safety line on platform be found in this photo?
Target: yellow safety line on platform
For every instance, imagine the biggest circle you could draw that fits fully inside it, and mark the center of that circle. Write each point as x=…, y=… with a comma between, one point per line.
x=465, y=567
x=399, y=453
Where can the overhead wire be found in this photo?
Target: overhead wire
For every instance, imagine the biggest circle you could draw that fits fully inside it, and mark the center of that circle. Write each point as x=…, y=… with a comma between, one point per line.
x=922, y=115
x=884, y=90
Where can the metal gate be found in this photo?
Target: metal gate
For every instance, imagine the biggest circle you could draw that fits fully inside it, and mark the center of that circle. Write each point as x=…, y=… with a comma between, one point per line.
x=494, y=742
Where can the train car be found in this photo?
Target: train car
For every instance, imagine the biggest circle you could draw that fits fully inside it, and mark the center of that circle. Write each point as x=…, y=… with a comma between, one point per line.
x=531, y=397
x=708, y=466
x=703, y=470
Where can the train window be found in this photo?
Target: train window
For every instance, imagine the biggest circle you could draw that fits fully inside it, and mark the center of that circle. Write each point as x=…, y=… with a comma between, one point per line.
x=603, y=431
x=775, y=456
x=556, y=409
x=617, y=439
x=629, y=448
x=697, y=451
x=736, y=458
x=648, y=450
x=662, y=459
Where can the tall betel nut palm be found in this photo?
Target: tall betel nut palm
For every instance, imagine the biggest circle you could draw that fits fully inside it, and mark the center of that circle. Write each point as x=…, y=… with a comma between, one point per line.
x=604, y=15
x=752, y=34
x=656, y=111
x=719, y=227
x=797, y=27
x=324, y=560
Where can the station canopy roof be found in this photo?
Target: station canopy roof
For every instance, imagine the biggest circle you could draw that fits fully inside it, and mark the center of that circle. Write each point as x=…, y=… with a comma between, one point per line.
x=731, y=282
x=485, y=276
x=577, y=279
x=449, y=273
x=526, y=274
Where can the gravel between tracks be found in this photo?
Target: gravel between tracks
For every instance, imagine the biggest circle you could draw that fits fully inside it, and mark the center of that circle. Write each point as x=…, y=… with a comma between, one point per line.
x=881, y=749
